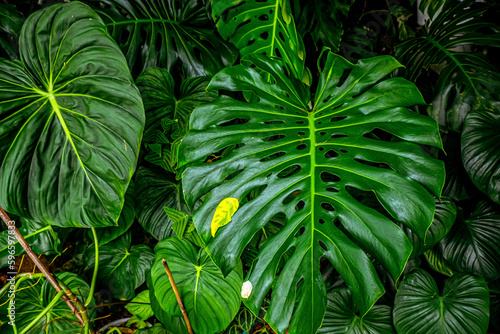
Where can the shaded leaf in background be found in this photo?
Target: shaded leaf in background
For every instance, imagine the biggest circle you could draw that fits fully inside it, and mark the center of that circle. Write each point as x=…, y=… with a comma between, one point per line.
x=43, y=239
x=11, y=21
x=122, y=267
x=360, y=42
x=463, y=306
x=154, y=190
x=262, y=27
x=140, y=306
x=342, y=316
x=308, y=159
x=211, y=300
x=473, y=245
x=71, y=121
x=323, y=20
x=481, y=151
x=436, y=261
x=444, y=41
x=32, y=297
x=444, y=217
x=160, y=33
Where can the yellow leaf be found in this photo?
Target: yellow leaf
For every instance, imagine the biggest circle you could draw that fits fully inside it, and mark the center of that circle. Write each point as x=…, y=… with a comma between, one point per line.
x=225, y=210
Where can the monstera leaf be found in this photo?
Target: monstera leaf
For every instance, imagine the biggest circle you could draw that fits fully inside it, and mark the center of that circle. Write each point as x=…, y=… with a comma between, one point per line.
x=466, y=79
x=154, y=191
x=341, y=316
x=159, y=33
x=122, y=267
x=322, y=19
x=473, y=245
x=33, y=296
x=211, y=300
x=420, y=308
x=309, y=159
x=168, y=107
x=481, y=152
x=262, y=27
x=444, y=217
x=71, y=121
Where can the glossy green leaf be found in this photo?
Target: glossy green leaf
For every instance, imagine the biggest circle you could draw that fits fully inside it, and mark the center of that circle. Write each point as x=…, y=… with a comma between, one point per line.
x=444, y=217
x=211, y=300
x=262, y=27
x=467, y=79
x=310, y=159
x=122, y=267
x=11, y=21
x=33, y=296
x=462, y=308
x=127, y=217
x=436, y=261
x=168, y=107
x=323, y=20
x=140, y=306
x=43, y=239
x=161, y=33
x=473, y=245
x=481, y=152
x=173, y=325
x=342, y=316
x=71, y=121
x=154, y=190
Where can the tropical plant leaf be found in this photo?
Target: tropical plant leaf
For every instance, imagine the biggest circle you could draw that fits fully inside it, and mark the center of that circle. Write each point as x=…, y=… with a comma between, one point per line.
x=179, y=219
x=342, y=316
x=262, y=27
x=175, y=325
x=140, y=306
x=357, y=43
x=43, y=239
x=307, y=159
x=466, y=79
x=222, y=216
x=436, y=261
x=473, y=245
x=211, y=300
x=122, y=267
x=33, y=296
x=71, y=121
x=420, y=308
x=155, y=190
x=127, y=217
x=11, y=21
x=323, y=20
x=444, y=217
x=481, y=151
x=158, y=33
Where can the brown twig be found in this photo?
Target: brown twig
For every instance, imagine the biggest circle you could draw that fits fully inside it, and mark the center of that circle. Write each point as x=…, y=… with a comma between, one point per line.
x=11, y=226
x=179, y=300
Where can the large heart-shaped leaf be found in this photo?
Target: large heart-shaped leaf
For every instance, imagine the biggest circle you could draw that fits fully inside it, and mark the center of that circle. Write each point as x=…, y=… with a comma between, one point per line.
x=463, y=307
x=159, y=33
x=342, y=316
x=481, y=151
x=122, y=267
x=211, y=300
x=71, y=121
x=263, y=27
x=31, y=299
x=311, y=159
x=473, y=245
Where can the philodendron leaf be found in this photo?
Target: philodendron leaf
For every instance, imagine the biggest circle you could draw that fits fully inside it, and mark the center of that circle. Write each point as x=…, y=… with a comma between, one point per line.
x=71, y=121
x=444, y=217
x=436, y=261
x=481, y=151
x=122, y=267
x=11, y=22
x=159, y=33
x=211, y=300
x=33, y=296
x=342, y=316
x=309, y=159
x=473, y=244
x=463, y=306
x=155, y=190
x=262, y=27
x=140, y=306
